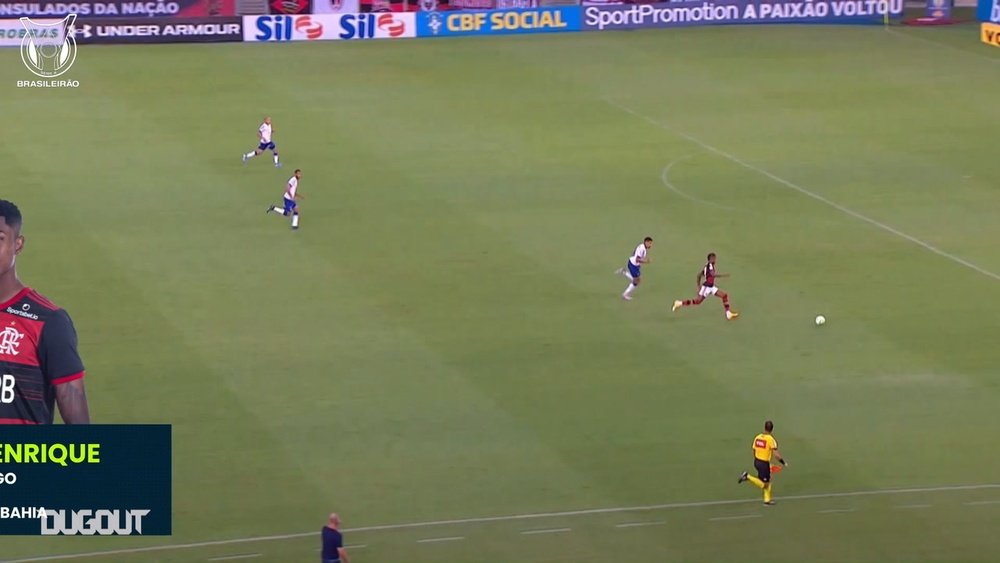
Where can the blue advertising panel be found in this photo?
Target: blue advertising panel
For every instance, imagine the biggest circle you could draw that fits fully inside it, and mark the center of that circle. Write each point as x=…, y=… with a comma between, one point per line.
x=85, y=480
x=989, y=11
x=939, y=9
x=722, y=12
x=499, y=22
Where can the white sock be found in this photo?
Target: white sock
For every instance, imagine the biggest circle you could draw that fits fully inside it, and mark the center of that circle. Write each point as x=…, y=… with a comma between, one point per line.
x=278, y=209
x=295, y=220
x=276, y=159
x=250, y=154
x=629, y=289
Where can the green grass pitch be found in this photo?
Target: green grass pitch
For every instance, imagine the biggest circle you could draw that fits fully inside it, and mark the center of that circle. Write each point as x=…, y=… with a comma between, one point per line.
x=444, y=338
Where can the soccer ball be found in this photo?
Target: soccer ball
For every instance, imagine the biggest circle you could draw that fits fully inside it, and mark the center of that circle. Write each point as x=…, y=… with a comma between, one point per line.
x=820, y=320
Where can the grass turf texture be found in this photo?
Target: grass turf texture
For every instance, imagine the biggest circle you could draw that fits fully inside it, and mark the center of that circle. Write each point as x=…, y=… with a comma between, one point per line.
x=443, y=338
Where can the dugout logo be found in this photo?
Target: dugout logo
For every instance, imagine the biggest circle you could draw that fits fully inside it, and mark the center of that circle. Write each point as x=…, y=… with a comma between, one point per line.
x=93, y=522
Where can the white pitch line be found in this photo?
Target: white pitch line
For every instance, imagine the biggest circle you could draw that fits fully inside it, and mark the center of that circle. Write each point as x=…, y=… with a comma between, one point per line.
x=639, y=524
x=981, y=502
x=232, y=557
x=507, y=518
x=664, y=177
x=546, y=531
x=436, y=540
x=806, y=192
x=915, y=506
x=741, y=517
x=835, y=510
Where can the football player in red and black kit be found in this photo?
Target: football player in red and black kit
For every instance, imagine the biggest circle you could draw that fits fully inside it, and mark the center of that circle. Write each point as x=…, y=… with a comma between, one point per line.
x=707, y=287
x=39, y=364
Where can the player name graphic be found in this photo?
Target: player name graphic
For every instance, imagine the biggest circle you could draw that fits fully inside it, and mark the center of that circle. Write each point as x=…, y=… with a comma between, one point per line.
x=93, y=522
x=21, y=512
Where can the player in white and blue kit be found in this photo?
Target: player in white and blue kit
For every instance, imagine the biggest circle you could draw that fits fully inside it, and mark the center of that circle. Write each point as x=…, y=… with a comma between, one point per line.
x=291, y=206
x=264, y=143
x=633, y=268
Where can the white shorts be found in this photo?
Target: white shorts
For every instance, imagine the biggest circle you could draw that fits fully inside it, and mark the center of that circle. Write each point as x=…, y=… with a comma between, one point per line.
x=706, y=291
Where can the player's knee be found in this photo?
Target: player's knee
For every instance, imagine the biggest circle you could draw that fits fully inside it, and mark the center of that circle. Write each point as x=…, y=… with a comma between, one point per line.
x=635, y=281
x=722, y=295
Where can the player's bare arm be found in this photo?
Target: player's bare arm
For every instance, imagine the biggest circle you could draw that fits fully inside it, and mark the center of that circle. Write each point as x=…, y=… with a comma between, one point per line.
x=779, y=457
x=71, y=397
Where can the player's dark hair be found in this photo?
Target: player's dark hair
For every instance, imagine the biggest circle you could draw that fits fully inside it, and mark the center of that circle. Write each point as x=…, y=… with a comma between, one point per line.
x=711, y=255
x=647, y=239
x=768, y=426
x=10, y=213
x=297, y=170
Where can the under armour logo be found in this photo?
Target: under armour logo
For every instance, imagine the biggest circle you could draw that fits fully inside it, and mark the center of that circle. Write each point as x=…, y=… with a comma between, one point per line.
x=10, y=340
x=83, y=31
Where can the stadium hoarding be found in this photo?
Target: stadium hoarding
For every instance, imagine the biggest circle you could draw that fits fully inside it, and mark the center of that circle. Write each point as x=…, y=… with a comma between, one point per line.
x=118, y=8
x=499, y=22
x=87, y=479
x=13, y=31
x=336, y=7
x=329, y=27
x=990, y=33
x=158, y=30
x=724, y=12
x=988, y=11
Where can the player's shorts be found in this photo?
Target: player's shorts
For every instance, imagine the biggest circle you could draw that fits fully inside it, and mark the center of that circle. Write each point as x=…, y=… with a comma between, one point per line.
x=266, y=146
x=763, y=469
x=707, y=291
x=289, y=205
x=633, y=270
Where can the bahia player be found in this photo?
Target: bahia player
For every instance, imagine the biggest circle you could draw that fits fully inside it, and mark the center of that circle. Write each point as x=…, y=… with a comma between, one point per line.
x=707, y=288
x=291, y=195
x=633, y=268
x=264, y=143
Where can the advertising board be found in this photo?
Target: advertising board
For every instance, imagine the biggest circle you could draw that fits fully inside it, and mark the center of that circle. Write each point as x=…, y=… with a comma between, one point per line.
x=329, y=27
x=157, y=30
x=13, y=31
x=721, y=12
x=118, y=8
x=499, y=22
x=988, y=11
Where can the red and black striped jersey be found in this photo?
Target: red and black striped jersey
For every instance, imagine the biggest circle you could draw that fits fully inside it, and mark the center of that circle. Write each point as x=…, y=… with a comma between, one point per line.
x=37, y=353
x=708, y=275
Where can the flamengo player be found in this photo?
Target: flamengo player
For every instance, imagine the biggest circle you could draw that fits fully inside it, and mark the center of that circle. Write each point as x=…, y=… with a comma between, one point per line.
x=291, y=205
x=707, y=287
x=633, y=268
x=264, y=143
x=39, y=363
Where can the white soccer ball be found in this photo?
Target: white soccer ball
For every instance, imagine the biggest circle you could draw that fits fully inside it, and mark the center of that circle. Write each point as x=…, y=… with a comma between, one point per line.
x=820, y=320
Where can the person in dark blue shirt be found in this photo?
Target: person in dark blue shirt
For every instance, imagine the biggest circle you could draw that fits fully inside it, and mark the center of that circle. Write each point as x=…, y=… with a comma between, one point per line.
x=333, y=542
